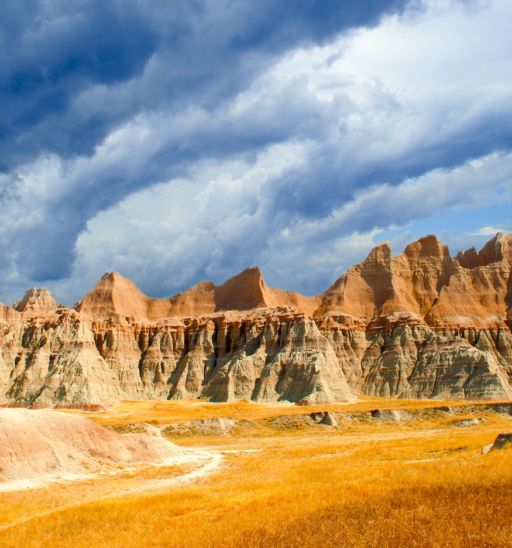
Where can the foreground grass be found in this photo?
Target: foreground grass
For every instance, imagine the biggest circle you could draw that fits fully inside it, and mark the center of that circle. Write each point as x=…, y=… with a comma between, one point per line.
x=422, y=484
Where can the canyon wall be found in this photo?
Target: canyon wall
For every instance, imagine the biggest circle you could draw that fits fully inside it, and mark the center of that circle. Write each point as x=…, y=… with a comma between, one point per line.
x=421, y=324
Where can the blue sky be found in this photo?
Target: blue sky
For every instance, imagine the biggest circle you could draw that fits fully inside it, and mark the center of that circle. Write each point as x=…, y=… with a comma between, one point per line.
x=181, y=141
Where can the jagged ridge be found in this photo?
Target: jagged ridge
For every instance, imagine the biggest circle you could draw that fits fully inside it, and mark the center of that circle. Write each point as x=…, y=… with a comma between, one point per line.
x=418, y=324
x=116, y=295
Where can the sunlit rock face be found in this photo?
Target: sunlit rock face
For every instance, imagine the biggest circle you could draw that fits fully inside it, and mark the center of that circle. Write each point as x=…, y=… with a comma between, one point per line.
x=420, y=324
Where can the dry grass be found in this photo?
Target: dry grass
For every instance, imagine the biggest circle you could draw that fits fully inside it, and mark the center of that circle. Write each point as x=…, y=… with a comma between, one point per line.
x=166, y=412
x=368, y=484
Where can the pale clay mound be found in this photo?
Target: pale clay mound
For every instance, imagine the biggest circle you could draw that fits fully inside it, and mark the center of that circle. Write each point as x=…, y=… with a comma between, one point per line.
x=45, y=445
x=420, y=324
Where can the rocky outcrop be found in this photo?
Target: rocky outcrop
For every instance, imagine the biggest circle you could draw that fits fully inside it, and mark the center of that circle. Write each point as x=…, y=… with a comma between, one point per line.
x=40, y=446
x=420, y=324
x=116, y=296
x=426, y=284
x=495, y=250
x=36, y=303
x=269, y=356
x=502, y=441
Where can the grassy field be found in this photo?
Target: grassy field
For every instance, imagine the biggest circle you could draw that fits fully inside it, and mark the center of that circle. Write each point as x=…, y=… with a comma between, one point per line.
x=421, y=482
x=165, y=412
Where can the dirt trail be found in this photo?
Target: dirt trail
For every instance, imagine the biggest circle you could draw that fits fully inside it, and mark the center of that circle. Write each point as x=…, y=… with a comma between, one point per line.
x=213, y=461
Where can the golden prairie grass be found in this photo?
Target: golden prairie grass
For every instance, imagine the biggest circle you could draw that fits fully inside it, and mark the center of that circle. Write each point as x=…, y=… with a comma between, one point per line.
x=166, y=412
x=426, y=483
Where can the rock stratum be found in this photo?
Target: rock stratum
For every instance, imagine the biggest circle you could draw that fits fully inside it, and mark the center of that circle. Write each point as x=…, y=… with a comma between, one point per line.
x=38, y=447
x=421, y=324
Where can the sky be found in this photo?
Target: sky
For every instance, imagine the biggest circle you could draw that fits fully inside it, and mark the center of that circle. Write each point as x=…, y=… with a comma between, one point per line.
x=182, y=141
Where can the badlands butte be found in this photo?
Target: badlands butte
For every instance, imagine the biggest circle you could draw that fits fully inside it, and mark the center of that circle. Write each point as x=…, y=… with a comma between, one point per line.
x=421, y=324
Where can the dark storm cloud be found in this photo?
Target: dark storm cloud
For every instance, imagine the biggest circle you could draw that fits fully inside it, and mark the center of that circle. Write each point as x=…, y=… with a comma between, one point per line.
x=52, y=51
x=336, y=177
x=70, y=72
x=101, y=100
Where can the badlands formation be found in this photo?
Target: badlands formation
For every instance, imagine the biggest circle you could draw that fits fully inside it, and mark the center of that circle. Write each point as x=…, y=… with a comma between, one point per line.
x=421, y=324
x=43, y=446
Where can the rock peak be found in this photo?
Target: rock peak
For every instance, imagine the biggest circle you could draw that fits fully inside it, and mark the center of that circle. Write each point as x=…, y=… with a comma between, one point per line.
x=498, y=248
x=37, y=301
x=379, y=254
x=427, y=246
x=251, y=274
x=114, y=294
x=503, y=244
x=243, y=291
x=255, y=270
x=113, y=277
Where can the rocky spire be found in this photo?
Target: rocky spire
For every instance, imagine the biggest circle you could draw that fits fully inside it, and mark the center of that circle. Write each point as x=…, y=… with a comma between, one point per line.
x=36, y=302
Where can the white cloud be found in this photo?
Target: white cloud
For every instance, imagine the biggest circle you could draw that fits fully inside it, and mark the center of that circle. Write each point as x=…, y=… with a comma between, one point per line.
x=473, y=184
x=300, y=173
x=217, y=224
x=490, y=230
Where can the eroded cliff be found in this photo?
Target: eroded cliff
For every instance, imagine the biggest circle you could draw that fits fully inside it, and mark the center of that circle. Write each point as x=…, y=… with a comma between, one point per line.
x=420, y=324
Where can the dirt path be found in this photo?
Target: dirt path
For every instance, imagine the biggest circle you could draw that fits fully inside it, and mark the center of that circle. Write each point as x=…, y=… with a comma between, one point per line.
x=212, y=461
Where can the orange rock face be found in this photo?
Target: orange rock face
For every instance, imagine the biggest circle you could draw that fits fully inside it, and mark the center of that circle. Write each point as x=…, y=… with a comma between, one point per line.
x=115, y=295
x=36, y=302
x=427, y=284
x=420, y=324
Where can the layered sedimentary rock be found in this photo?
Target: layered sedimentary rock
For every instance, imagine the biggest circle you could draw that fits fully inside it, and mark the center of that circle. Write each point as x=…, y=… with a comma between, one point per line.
x=426, y=284
x=420, y=324
x=45, y=445
x=115, y=295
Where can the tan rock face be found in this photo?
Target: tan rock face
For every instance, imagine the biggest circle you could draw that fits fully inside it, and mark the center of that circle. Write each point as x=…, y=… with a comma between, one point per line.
x=495, y=250
x=37, y=302
x=427, y=284
x=420, y=324
x=384, y=285
x=115, y=295
x=248, y=290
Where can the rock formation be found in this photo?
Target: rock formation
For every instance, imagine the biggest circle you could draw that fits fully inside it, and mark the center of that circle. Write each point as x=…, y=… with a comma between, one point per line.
x=503, y=440
x=420, y=324
x=45, y=445
x=36, y=302
x=115, y=295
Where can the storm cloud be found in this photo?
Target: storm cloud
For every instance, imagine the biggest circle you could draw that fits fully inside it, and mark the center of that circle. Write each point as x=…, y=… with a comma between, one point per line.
x=187, y=140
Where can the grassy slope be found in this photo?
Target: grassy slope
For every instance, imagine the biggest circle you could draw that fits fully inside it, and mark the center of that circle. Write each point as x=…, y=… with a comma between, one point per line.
x=367, y=484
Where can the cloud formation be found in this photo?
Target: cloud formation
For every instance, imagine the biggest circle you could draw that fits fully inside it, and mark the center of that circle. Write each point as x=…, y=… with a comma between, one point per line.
x=180, y=141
